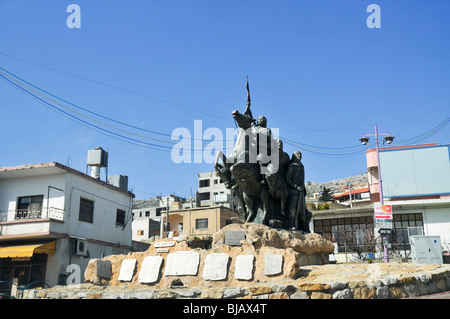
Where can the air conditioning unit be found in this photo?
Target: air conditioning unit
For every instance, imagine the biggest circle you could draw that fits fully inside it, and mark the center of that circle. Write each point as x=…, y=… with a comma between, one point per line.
x=79, y=247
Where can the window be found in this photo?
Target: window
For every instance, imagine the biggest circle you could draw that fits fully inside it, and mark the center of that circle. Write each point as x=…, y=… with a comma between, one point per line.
x=29, y=207
x=201, y=223
x=120, y=217
x=140, y=233
x=86, y=210
x=401, y=223
x=204, y=196
x=147, y=213
x=346, y=232
x=204, y=183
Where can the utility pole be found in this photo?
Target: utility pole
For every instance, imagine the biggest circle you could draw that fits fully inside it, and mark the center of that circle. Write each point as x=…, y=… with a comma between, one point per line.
x=350, y=194
x=388, y=139
x=167, y=218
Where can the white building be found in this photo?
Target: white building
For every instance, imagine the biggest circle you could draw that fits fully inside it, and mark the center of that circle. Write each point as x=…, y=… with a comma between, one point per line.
x=212, y=192
x=415, y=184
x=147, y=215
x=52, y=216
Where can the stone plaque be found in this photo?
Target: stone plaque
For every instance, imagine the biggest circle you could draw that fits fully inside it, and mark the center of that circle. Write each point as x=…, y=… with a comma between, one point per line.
x=127, y=270
x=104, y=269
x=244, y=267
x=159, y=244
x=273, y=264
x=216, y=266
x=162, y=250
x=234, y=237
x=182, y=263
x=150, y=268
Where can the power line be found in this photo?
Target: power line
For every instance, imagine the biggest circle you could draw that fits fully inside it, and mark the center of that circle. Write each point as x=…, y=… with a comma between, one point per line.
x=15, y=77
x=85, y=122
x=321, y=151
x=114, y=86
x=89, y=118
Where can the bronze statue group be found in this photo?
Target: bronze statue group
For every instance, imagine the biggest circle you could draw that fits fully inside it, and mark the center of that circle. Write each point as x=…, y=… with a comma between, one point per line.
x=270, y=184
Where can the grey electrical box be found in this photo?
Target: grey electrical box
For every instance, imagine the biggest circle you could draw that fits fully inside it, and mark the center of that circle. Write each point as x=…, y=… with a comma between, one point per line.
x=426, y=249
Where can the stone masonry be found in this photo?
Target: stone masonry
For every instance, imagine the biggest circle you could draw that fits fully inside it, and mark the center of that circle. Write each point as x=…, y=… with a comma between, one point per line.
x=264, y=264
x=346, y=281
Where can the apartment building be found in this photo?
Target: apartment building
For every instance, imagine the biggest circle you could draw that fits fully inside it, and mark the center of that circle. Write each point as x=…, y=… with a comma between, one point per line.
x=212, y=192
x=53, y=219
x=147, y=215
x=200, y=222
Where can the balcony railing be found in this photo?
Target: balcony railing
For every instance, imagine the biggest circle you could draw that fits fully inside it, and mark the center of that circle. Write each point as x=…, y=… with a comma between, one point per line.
x=24, y=214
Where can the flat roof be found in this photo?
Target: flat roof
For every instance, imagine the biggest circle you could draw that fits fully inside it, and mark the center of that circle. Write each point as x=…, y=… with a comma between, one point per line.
x=50, y=168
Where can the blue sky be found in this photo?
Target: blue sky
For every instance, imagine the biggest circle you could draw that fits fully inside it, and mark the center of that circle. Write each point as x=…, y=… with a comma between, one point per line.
x=316, y=72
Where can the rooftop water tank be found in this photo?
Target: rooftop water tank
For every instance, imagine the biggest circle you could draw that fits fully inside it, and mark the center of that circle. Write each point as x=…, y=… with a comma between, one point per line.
x=120, y=181
x=97, y=158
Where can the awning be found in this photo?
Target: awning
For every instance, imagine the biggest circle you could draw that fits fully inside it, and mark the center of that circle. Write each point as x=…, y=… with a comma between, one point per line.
x=27, y=250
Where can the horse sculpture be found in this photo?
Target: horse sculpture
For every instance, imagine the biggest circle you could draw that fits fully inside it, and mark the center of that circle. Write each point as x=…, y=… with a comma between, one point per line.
x=256, y=169
x=241, y=171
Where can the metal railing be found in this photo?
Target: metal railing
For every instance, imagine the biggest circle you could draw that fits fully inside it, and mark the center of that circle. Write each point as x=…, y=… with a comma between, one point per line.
x=19, y=291
x=21, y=214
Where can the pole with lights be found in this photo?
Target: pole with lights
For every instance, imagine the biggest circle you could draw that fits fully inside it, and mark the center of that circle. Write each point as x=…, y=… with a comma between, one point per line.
x=387, y=139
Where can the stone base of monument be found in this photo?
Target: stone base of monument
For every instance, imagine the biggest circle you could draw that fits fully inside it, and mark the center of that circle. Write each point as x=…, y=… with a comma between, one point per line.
x=241, y=254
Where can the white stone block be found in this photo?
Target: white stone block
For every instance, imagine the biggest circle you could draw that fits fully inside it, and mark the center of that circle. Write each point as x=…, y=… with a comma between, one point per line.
x=244, y=267
x=216, y=266
x=127, y=270
x=273, y=264
x=182, y=263
x=150, y=268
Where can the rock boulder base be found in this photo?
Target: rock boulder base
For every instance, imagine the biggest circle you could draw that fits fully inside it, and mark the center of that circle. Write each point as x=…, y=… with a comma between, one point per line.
x=293, y=249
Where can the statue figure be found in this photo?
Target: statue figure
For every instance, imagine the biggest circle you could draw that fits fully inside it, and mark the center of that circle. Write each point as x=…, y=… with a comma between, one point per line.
x=270, y=184
x=299, y=216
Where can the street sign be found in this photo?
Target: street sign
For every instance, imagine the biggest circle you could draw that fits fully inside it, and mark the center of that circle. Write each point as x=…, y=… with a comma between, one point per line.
x=382, y=211
x=385, y=231
x=383, y=223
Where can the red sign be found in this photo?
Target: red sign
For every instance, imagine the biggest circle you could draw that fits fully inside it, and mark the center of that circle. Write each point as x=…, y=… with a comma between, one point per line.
x=383, y=211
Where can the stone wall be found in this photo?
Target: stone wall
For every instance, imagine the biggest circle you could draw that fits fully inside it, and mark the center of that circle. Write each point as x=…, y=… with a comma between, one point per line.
x=249, y=261
x=349, y=281
x=263, y=255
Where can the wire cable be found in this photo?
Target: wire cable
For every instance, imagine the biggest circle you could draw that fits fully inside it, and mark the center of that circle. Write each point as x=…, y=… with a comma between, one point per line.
x=89, y=118
x=113, y=86
x=320, y=151
x=85, y=122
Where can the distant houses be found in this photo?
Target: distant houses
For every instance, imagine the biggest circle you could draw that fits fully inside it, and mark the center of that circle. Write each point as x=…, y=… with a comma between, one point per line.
x=54, y=219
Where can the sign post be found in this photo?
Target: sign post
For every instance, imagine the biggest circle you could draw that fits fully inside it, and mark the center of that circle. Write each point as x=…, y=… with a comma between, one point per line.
x=383, y=221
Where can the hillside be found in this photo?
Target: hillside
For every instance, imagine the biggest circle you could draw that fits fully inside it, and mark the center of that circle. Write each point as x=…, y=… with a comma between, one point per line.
x=339, y=185
x=336, y=186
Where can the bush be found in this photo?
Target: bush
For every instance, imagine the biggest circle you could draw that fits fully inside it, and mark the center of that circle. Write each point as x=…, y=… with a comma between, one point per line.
x=324, y=206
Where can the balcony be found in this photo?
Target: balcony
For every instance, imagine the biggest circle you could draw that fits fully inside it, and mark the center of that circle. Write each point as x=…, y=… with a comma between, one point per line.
x=32, y=214
x=42, y=223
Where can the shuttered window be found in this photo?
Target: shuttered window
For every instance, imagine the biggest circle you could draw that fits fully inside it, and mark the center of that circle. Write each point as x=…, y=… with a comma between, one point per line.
x=86, y=210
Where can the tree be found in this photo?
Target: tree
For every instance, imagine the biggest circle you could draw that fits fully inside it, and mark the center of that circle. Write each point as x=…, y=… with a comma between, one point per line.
x=326, y=195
